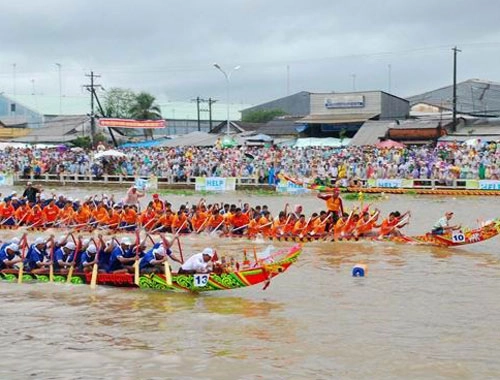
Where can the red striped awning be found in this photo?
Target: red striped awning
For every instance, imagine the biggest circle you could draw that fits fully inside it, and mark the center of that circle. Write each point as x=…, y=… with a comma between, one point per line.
x=131, y=123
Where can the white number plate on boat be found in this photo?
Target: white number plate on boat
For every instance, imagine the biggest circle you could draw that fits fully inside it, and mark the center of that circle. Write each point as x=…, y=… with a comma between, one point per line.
x=458, y=237
x=200, y=280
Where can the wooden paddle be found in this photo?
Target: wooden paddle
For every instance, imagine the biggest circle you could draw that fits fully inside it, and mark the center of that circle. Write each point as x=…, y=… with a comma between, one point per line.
x=180, y=249
x=95, y=267
x=136, y=264
x=24, y=248
x=168, y=273
x=73, y=262
x=51, y=265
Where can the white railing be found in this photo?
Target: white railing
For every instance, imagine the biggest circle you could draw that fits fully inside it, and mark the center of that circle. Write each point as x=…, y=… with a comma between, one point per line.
x=69, y=179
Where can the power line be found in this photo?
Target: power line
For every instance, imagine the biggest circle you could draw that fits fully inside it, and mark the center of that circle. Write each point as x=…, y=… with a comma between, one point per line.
x=203, y=66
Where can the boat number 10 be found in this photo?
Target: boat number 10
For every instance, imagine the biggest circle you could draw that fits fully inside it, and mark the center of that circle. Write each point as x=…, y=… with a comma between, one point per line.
x=200, y=280
x=458, y=237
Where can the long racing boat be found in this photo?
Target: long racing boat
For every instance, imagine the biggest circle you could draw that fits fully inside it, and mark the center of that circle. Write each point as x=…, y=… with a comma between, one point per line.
x=261, y=270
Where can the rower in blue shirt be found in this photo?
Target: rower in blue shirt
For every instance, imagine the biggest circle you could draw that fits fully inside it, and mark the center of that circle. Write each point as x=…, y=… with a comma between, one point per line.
x=121, y=260
x=37, y=260
x=157, y=255
x=63, y=257
x=14, y=240
x=9, y=257
x=88, y=258
x=153, y=260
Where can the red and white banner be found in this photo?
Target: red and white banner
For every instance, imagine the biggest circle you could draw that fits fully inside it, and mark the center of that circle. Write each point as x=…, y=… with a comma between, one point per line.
x=131, y=123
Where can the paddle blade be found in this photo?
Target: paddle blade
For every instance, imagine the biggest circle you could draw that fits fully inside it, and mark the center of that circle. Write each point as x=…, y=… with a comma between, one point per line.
x=21, y=273
x=93, y=279
x=70, y=275
x=168, y=274
x=51, y=273
x=136, y=272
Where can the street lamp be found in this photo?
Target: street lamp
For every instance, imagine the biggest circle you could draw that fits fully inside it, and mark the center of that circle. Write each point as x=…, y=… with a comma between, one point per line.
x=60, y=87
x=228, y=77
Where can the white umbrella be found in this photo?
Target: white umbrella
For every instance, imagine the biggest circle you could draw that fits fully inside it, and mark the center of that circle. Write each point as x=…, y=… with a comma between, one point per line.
x=109, y=153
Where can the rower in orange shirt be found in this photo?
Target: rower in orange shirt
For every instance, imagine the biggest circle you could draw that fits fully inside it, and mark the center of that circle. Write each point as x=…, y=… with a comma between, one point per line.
x=50, y=213
x=350, y=225
x=165, y=221
x=198, y=220
x=83, y=215
x=339, y=226
x=318, y=225
x=366, y=224
x=253, y=225
x=100, y=214
x=300, y=226
x=291, y=220
x=278, y=226
x=36, y=217
x=67, y=215
x=180, y=223
x=23, y=214
x=128, y=218
x=239, y=222
x=112, y=220
x=216, y=221
x=390, y=226
x=7, y=212
x=265, y=224
x=148, y=217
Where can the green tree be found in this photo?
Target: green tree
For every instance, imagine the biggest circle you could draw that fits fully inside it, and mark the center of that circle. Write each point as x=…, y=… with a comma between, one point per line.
x=118, y=102
x=262, y=116
x=82, y=142
x=144, y=108
x=342, y=134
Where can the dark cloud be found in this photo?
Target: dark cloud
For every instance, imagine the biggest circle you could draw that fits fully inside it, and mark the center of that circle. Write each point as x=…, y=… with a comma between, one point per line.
x=168, y=47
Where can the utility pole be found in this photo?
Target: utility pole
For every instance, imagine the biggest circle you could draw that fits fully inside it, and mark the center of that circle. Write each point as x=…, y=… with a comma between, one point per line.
x=91, y=88
x=198, y=112
x=455, y=51
x=198, y=100
x=210, y=102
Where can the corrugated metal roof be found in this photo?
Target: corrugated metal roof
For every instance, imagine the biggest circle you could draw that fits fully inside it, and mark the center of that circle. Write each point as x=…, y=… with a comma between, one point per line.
x=415, y=124
x=280, y=127
x=371, y=132
x=60, y=129
x=336, y=119
x=10, y=121
x=474, y=96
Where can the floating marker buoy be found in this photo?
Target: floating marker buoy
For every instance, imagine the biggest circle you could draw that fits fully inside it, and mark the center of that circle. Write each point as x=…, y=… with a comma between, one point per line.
x=359, y=270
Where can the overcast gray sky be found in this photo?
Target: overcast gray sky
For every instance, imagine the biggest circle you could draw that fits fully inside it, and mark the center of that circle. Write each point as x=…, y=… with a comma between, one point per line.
x=168, y=47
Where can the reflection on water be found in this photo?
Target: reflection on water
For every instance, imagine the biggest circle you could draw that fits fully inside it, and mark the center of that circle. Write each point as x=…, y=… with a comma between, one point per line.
x=421, y=312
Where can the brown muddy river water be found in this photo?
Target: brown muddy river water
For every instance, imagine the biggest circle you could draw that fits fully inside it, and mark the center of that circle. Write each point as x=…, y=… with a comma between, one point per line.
x=420, y=313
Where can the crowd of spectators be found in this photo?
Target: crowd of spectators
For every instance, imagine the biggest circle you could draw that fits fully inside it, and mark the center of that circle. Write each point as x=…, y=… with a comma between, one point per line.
x=444, y=162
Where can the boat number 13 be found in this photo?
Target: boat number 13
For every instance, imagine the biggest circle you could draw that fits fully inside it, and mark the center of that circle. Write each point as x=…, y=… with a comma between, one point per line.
x=200, y=280
x=458, y=237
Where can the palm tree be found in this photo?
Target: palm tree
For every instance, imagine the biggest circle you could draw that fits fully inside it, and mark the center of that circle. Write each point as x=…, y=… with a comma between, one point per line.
x=145, y=109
